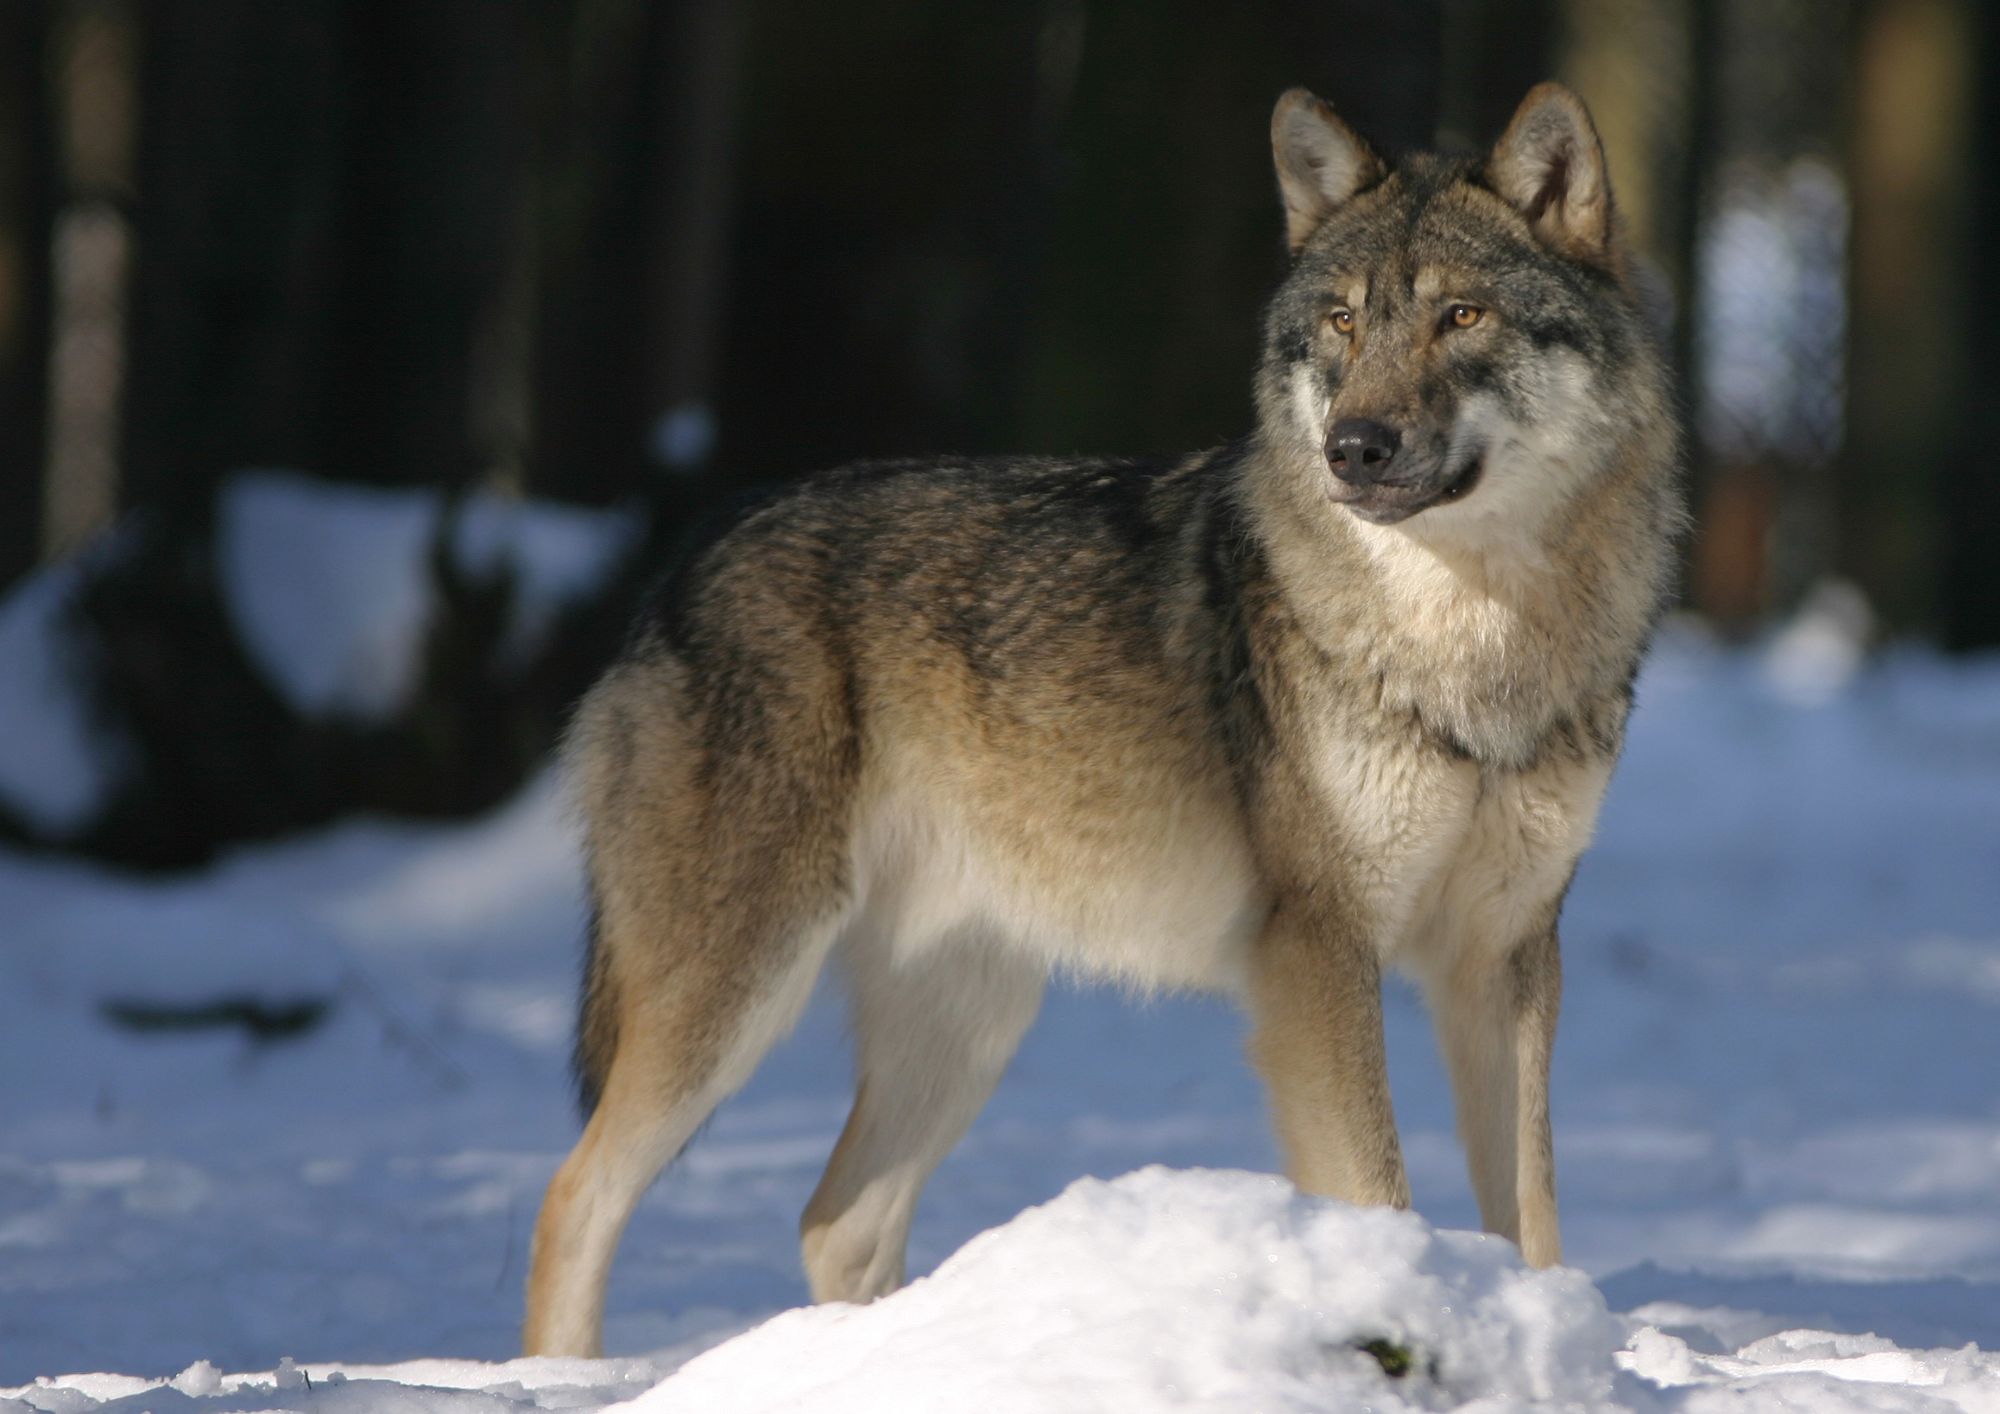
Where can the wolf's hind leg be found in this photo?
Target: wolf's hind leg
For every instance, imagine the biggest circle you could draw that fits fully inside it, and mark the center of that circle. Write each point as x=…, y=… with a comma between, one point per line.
x=680, y=1051
x=1496, y=1024
x=932, y=1035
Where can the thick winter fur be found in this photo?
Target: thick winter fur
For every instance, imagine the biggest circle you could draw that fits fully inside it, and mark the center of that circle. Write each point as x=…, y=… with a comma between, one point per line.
x=1267, y=720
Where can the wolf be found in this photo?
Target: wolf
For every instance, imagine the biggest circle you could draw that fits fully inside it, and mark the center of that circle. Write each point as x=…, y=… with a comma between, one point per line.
x=1340, y=696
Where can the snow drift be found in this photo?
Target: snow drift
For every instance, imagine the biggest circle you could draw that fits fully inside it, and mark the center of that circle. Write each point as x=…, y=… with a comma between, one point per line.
x=1183, y=1290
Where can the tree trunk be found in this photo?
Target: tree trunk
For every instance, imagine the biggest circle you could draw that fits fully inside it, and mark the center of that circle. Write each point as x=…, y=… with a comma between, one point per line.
x=1970, y=487
x=1911, y=324
x=27, y=218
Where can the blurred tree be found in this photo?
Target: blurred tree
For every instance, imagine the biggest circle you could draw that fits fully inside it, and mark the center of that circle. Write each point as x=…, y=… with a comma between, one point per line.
x=636, y=112
x=94, y=57
x=239, y=183
x=324, y=190
x=1763, y=342
x=1970, y=494
x=698, y=45
x=882, y=260
x=1911, y=329
x=27, y=219
x=430, y=141
x=1680, y=240
x=1494, y=51
x=1648, y=70
x=591, y=174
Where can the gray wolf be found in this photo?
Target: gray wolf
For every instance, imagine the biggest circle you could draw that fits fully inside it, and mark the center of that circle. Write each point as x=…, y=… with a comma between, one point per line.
x=1268, y=719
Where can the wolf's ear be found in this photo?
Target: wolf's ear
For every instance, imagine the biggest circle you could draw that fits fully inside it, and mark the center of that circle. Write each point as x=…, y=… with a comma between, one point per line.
x=1550, y=165
x=1321, y=162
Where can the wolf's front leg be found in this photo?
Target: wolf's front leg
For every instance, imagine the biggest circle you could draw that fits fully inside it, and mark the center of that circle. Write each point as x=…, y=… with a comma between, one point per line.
x=1495, y=1014
x=1316, y=1001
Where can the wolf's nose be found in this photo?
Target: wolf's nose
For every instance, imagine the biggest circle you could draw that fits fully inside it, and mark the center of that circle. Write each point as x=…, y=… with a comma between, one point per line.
x=1360, y=449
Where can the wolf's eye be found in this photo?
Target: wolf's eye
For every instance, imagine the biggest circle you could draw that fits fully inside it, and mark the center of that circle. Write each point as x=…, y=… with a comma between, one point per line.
x=1342, y=321
x=1463, y=316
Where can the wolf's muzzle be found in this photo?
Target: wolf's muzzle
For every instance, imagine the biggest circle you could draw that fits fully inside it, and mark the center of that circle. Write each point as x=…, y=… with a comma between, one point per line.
x=1375, y=483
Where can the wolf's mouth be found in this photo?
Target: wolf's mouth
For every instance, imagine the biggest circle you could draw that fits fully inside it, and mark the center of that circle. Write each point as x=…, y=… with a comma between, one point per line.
x=1386, y=502
x=1462, y=484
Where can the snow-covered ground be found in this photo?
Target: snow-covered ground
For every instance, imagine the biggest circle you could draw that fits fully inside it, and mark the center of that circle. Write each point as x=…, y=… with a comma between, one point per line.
x=1777, y=1111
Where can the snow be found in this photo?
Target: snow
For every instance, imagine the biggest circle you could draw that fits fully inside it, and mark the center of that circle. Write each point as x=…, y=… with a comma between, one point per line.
x=1181, y=1290
x=1815, y=656
x=1778, y=1131
x=683, y=436
x=56, y=771
x=330, y=585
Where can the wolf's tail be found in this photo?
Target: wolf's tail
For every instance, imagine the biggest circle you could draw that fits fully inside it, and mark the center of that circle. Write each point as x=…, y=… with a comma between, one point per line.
x=596, y=1020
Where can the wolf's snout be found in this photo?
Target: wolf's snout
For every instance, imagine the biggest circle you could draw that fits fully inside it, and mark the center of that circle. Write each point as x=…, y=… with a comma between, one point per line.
x=1361, y=450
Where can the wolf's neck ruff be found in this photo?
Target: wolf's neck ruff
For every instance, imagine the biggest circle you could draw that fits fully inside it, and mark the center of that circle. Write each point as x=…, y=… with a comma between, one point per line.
x=1341, y=696
x=1504, y=641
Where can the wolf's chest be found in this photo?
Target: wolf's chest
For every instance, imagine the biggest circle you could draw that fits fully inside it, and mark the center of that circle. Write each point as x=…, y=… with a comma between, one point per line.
x=1489, y=665
x=1444, y=853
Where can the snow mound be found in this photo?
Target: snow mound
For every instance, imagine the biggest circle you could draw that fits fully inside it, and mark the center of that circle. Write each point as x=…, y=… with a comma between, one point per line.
x=1190, y=1289
x=330, y=587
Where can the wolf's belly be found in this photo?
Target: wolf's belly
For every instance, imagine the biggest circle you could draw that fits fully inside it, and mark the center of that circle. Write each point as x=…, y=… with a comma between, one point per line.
x=1155, y=895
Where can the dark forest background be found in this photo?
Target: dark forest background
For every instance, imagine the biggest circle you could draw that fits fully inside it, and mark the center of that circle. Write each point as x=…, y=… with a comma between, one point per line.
x=613, y=252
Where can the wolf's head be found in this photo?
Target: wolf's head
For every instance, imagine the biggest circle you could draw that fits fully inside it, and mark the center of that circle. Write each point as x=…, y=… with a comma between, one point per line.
x=1455, y=340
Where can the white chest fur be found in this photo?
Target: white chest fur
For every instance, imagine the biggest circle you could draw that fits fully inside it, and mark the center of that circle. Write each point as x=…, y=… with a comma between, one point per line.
x=1526, y=832
x=1446, y=854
